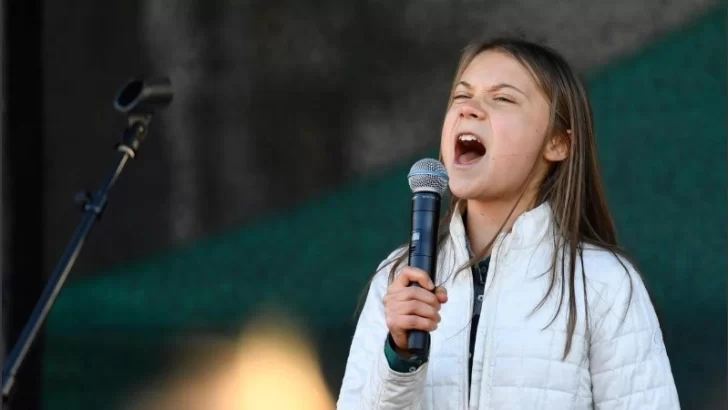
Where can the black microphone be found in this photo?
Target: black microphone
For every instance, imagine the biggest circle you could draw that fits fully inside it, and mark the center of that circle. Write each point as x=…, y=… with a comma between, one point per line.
x=428, y=181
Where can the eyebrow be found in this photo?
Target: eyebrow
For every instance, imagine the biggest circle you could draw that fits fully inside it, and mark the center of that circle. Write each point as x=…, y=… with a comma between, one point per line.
x=496, y=87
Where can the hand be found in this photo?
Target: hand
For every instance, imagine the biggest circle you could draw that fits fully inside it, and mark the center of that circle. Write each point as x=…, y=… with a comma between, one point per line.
x=411, y=307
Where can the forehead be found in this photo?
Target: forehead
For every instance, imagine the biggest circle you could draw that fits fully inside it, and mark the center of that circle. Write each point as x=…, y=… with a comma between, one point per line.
x=497, y=67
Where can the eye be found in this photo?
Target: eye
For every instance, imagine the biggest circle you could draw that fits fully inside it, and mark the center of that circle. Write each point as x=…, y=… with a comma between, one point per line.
x=460, y=96
x=504, y=99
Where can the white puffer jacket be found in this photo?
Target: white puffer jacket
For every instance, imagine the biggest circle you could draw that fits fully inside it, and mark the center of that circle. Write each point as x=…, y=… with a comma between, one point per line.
x=517, y=365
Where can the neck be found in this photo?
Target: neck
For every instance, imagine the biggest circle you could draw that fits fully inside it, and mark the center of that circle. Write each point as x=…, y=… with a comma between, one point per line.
x=484, y=220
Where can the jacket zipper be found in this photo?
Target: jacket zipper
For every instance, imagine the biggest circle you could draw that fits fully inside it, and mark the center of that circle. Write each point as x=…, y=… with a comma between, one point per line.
x=493, y=256
x=485, y=319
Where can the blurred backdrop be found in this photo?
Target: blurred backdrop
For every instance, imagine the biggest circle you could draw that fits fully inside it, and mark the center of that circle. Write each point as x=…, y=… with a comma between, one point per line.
x=276, y=181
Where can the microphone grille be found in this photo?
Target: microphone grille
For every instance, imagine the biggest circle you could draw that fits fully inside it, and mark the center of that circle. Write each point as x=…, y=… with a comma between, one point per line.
x=428, y=174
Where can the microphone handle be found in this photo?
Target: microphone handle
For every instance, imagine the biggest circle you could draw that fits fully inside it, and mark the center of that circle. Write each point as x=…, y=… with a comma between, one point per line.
x=423, y=253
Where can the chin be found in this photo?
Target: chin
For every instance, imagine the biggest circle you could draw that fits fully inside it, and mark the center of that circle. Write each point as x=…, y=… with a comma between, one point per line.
x=464, y=190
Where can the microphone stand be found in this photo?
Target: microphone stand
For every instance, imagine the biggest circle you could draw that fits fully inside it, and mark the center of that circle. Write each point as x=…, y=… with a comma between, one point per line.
x=139, y=100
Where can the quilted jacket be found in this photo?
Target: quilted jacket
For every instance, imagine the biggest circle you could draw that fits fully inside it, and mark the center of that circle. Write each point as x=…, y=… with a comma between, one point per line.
x=617, y=360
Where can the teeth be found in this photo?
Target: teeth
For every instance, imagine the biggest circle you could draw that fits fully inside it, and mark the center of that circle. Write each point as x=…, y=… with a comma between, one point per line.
x=467, y=137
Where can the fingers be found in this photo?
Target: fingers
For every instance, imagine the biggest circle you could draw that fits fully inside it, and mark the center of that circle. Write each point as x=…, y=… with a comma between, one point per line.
x=410, y=274
x=417, y=308
x=414, y=301
x=412, y=307
x=441, y=294
x=413, y=293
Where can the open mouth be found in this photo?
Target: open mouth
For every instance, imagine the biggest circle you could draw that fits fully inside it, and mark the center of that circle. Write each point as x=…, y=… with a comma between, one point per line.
x=468, y=149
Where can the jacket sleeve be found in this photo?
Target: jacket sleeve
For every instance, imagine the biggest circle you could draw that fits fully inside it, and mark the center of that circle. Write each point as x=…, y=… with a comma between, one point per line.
x=369, y=383
x=629, y=365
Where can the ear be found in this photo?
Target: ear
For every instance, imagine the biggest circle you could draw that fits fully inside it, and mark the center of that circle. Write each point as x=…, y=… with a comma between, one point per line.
x=557, y=148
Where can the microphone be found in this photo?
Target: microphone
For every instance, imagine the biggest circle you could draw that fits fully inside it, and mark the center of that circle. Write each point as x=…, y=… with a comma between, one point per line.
x=428, y=181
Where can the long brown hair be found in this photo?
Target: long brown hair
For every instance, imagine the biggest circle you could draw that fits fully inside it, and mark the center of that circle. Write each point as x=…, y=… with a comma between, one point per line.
x=572, y=187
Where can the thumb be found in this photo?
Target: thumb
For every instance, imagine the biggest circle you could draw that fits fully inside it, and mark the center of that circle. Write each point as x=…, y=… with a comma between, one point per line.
x=441, y=294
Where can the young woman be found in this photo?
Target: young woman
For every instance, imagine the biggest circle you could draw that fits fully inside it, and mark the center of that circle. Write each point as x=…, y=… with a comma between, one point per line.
x=537, y=307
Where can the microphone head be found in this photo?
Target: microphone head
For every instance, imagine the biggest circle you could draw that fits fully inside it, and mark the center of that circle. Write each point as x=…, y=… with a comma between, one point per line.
x=428, y=175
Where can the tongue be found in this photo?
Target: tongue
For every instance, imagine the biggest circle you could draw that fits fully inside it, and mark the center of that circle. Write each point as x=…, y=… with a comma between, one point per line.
x=470, y=156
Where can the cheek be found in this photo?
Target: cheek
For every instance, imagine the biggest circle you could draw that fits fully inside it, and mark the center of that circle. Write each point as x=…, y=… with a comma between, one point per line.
x=516, y=138
x=447, y=127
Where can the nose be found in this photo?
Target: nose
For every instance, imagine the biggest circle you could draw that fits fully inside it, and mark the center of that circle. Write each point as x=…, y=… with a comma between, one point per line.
x=472, y=111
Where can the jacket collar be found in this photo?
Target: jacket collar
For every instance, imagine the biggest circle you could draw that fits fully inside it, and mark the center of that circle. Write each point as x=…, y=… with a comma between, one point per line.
x=529, y=230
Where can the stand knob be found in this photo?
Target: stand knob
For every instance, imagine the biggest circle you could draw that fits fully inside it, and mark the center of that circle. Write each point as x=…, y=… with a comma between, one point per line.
x=82, y=199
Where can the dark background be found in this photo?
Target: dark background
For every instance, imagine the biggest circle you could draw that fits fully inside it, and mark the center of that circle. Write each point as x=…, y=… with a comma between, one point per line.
x=294, y=122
